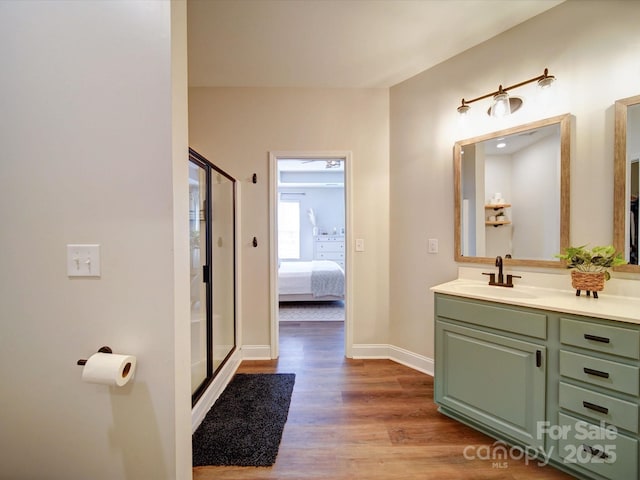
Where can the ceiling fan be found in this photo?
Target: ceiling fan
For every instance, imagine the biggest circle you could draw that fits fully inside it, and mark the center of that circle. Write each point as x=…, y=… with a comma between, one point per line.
x=330, y=162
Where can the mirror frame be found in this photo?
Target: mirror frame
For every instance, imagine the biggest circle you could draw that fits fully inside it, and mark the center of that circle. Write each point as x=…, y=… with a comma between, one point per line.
x=565, y=208
x=620, y=177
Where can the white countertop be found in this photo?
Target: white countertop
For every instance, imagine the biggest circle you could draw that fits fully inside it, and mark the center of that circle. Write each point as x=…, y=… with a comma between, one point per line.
x=547, y=292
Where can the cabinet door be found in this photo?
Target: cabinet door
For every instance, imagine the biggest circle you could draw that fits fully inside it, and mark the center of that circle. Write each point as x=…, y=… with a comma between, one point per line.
x=491, y=379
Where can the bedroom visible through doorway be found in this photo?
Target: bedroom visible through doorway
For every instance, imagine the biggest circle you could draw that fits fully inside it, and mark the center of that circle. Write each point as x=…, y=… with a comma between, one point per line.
x=310, y=240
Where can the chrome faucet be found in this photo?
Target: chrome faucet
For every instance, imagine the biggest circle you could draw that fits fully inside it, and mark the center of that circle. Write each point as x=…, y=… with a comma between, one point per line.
x=500, y=281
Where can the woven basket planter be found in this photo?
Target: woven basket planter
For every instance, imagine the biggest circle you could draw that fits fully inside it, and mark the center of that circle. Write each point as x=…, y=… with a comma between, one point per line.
x=588, y=281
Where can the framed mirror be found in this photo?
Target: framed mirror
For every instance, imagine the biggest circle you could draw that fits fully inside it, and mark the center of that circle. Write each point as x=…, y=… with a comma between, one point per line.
x=512, y=194
x=626, y=179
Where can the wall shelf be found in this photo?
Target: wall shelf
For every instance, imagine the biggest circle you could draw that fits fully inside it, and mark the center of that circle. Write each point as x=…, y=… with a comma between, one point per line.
x=497, y=206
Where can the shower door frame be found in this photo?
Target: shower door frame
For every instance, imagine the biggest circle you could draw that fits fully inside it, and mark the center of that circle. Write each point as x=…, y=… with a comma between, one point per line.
x=202, y=162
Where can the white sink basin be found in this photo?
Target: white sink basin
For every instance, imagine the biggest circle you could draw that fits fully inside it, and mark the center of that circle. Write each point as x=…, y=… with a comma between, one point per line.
x=492, y=291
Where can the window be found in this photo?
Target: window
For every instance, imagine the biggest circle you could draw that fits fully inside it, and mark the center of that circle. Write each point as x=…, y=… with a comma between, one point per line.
x=289, y=230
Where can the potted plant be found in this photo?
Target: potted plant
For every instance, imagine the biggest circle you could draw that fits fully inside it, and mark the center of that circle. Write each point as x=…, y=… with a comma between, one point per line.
x=591, y=266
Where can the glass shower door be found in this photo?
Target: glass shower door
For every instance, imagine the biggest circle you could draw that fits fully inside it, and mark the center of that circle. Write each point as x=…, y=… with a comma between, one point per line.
x=198, y=188
x=223, y=266
x=212, y=225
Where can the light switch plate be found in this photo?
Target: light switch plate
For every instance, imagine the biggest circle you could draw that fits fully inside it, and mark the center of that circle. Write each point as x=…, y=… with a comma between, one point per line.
x=83, y=260
x=433, y=245
x=359, y=244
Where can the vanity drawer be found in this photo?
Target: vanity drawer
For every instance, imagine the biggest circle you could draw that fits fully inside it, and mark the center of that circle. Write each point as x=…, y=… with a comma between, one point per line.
x=603, y=451
x=508, y=319
x=612, y=375
x=599, y=407
x=623, y=342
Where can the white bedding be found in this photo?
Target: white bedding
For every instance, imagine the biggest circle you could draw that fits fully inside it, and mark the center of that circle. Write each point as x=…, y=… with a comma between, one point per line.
x=318, y=278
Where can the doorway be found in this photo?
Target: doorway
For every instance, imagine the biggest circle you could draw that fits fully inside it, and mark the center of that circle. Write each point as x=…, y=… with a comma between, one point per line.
x=310, y=232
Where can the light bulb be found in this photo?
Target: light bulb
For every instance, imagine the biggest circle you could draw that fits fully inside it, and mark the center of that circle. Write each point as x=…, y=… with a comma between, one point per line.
x=501, y=105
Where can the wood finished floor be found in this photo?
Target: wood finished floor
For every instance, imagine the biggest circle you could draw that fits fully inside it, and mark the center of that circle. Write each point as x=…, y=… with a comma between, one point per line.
x=364, y=419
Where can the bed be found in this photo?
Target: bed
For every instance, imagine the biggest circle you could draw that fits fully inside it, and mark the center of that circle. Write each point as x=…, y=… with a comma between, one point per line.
x=316, y=281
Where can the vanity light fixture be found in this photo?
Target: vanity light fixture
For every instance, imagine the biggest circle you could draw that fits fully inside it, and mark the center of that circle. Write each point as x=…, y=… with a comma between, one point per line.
x=503, y=104
x=500, y=106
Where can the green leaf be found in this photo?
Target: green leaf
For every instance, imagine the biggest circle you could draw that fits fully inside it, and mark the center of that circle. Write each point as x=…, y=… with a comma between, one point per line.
x=596, y=259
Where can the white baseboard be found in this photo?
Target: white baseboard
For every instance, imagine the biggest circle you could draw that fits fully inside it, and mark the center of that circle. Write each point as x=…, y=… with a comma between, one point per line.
x=214, y=390
x=412, y=360
x=256, y=352
x=371, y=351
x=405, y=357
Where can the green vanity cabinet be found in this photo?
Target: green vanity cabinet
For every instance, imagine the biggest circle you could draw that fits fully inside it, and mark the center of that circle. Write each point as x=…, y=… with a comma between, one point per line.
x=509, y=396
x=599, y=397
x=564, y=385
x=488, y=373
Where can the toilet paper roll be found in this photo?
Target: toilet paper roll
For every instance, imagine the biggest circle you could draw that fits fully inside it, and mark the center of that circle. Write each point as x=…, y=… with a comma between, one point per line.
x=109, y=369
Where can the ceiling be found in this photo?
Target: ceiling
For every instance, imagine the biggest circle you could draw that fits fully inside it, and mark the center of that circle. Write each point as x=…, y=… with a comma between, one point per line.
x=517, y=141
x=338, y=43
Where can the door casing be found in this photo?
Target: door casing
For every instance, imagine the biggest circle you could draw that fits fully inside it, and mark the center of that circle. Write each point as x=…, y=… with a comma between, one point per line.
x=274, y=156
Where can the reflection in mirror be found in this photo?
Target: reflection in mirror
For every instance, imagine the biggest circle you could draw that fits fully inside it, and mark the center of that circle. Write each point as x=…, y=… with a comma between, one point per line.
x=512, y=194
x=626, y=179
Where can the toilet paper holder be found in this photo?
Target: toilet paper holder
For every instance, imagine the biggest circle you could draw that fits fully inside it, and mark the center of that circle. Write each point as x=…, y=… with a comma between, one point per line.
x=100, y=350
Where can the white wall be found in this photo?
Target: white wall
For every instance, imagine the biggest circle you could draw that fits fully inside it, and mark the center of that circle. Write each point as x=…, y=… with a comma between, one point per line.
x=592, y=48
x=236, y=128
x=328, y=205
x=92, y=144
